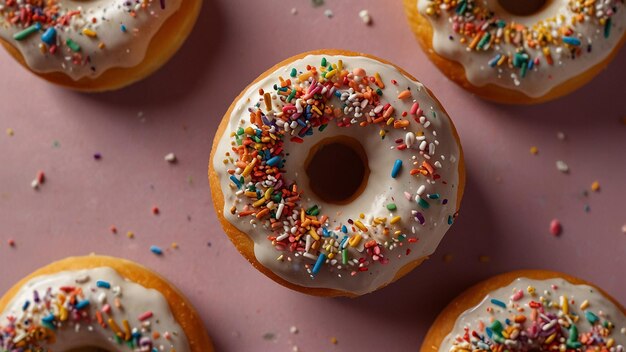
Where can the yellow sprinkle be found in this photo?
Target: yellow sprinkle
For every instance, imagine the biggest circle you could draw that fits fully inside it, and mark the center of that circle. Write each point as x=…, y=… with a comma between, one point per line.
x=246, y=171
x=174, y=245
x=379, y=81
x=564, y=305
x=268, y=193
x=333, y=340
x=116, y=329
x=362, y=216
x=62, y=313
x=354, y=240
x=550, y=338
x=531, y=290
x=316, y=110
x=595, y=186
x=381, y=133
x=259, y=202
x=534, y=150
x=314, y=234
x=303, y=77
x=360, y=225
x=249, y=131
x=126, y=329
x=101, y=45
x=610, y=342
x=10, y=132
x=339, y=65
x=584, y=305
x=395, y=219
x=390, y=121
x=90, y=33
x=330, y=74
x=130, y=234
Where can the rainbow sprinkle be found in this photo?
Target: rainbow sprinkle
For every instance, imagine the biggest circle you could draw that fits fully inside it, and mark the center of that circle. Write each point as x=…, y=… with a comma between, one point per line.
x=303, y=104
x=480, y=29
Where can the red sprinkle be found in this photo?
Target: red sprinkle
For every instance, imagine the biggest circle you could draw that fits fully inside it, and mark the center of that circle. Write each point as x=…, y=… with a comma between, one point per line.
x=555, y=227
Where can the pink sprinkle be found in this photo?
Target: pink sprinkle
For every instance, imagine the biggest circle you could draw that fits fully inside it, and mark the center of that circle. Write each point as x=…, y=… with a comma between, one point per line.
x=106, y=309
x=517, y=295
x=414, y=108
x=555, y=227
x=145, y=316
x=11, y=242
x=41, y=177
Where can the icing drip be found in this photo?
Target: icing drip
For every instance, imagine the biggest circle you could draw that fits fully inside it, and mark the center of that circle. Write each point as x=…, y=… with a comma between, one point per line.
x=82, y=38
x=410, y=198
x=540, y=315
x=94, y=308
x=531, y=54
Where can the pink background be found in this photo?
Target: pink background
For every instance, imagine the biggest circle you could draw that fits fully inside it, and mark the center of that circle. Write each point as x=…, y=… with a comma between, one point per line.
x=511, y=195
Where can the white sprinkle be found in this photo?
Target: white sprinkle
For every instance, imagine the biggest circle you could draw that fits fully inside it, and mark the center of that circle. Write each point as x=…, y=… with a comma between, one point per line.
x=409, y=139
x=328, y=13
x=365, y=17
x=294, y=11
x=560, y=135
x=562, y=166
x=293, y=330
x=170, y=158
x=82, y=279
x=421, y=190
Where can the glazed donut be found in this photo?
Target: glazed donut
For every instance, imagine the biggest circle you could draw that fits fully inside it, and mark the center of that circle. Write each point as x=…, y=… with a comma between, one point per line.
x=530, y=310
x=335, y=173
x=519, y=52
x=97, y=303
x=95, y=45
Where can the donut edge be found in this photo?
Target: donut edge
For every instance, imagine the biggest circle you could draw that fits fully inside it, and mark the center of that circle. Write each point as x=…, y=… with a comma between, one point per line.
x=244, y=243
x=182, y=310
x=456, y=72
x=163, y=45
x=471, y=297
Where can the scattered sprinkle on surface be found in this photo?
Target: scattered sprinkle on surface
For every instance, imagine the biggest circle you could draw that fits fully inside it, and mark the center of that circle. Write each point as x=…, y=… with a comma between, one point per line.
x=562, y=166
x=555, y=227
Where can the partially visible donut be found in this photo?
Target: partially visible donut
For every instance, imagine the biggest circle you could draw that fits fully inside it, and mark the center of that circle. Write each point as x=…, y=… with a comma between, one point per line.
x=97, y=303
x=336, y=173
x=530, y=310
x=95, y=45
x=490, y=49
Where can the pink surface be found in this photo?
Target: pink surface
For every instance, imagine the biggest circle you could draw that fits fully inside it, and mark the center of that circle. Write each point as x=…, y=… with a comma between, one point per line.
x=511, y=195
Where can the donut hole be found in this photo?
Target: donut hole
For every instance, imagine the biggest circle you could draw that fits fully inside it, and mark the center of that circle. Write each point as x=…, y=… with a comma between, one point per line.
x=523, y=7
x=337, y=169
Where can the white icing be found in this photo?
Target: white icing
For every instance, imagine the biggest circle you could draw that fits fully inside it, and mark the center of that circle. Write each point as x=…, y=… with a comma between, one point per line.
x=543, y=77
x=380, y=190
x=550, y=290
x=122, y=49
x=135, y=300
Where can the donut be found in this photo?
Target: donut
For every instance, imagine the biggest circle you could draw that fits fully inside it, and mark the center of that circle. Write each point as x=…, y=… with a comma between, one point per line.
x=530, y=310
x=95, y=45
x=98, y=303
x=335, y=173
x=519, y=52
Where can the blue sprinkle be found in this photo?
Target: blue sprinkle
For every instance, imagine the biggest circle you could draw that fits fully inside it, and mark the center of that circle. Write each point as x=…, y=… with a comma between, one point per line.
x=301, y=122
x=103, y=284
x=531, y=64
x=450, y=220
x=123, y=28
x=25, y=305
x=498, y=303
x=571, y=41
x=433, y=196
x=338, y=94
x=156, y=250
x=343, y=242
x=318, y=263
x=48, y=319
x=82, y=304
x=396, y=168
x=493, y=62
x=235, y=181
x=489, y=332
x=273, y=161
x=49, y=36
x=344, y=229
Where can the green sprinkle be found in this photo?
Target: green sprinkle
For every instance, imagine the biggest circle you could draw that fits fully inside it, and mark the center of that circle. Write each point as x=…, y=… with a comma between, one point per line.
x=433, y=196
x=324, y=62
x=391, y=206
x=379, y=92
x=344, y=256
x=424, y=204
x=240, y=131
x=607, y=27
x=322, y=127
x=591, y=317
x=294, y=72
x=72, y=45
x=27, y=32
x=497, y=327
x=402, y=237
x=291, y=95
x=484, y=40
x=450, y=220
